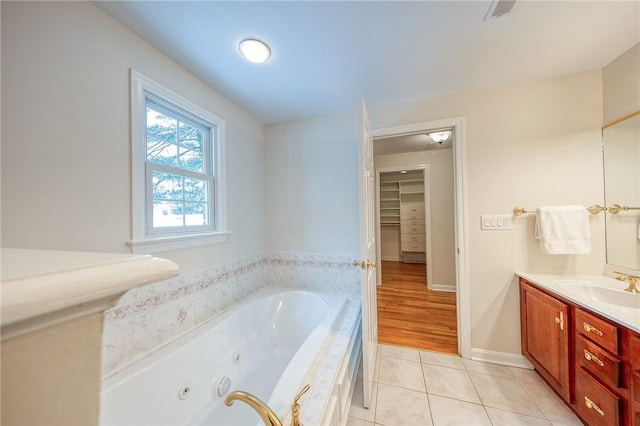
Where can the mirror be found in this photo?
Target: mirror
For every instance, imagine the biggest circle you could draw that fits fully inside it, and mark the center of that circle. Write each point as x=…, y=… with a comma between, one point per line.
x=621, y=150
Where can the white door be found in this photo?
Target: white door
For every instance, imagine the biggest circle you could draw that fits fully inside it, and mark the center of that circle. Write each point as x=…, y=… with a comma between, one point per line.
x=367, y=255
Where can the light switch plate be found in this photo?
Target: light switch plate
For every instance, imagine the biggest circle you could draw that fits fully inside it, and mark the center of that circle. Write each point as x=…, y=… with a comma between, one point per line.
x=495, y=222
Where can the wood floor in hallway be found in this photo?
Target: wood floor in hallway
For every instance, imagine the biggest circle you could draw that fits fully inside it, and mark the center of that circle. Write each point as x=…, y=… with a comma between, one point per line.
x=411, y=315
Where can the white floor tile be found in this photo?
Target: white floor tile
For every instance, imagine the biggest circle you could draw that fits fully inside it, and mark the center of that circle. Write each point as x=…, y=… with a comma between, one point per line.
x=505, y=394
x=452, y=412
x=357, y=403
x=526, y=376
x=486, y=368
x=443, y=360
x=399, y=407
x=402, y=373
x=508, y=418
x=354, y=421
x=460, y=392
x=399, y=352
x=550, y=404
x=450, y=382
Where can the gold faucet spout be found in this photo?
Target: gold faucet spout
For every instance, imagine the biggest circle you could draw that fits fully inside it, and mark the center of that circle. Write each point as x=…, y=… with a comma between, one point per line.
x=266, y=414
x=631, y=279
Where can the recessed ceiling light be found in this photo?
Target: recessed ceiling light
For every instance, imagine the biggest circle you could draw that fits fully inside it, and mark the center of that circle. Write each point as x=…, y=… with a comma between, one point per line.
x=255, y=51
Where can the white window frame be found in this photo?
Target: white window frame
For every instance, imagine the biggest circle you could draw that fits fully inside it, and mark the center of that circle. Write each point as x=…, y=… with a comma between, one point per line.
x=146, y=239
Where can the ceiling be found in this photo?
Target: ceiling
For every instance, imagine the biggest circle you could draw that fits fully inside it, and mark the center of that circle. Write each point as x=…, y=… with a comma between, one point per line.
x=328, y=55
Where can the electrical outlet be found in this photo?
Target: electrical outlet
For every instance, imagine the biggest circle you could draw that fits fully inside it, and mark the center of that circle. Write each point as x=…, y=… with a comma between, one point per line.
x=495, y=222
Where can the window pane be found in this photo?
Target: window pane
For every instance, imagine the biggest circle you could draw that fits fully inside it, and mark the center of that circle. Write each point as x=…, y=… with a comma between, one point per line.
x=190, y=137
x=195, y=214
x=195, y=189
x=167, y=214
x=191, y=160
x=162, y=152
x=167, y=186
x=161, y=126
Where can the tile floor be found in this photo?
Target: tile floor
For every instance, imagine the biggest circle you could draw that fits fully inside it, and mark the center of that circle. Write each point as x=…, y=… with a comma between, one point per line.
x=415, y=387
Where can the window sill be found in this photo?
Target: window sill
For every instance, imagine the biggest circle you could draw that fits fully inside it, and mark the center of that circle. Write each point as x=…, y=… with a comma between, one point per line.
x=176, y=242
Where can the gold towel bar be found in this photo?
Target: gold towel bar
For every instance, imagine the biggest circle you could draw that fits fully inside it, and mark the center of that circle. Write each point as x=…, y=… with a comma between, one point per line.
x=595, y=209
x=617, y=208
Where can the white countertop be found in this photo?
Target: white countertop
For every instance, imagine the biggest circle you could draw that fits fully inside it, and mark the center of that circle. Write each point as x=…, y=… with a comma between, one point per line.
x=626, y=316
x=47, y=286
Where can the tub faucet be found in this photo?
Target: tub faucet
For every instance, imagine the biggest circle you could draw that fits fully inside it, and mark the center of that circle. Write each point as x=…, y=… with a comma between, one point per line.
x=266, y=414
x=295, y=408
x=632, y=279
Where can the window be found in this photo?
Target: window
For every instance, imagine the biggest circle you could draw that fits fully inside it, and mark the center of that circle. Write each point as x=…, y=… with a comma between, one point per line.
x=178, y=193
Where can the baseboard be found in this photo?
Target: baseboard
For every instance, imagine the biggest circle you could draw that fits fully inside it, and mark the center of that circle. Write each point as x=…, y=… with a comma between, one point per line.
x=442, y=287
x=395, y=259
x=502, y=358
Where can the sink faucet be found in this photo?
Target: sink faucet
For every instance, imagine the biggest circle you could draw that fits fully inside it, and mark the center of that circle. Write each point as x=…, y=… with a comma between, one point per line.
x=266, y=414
x=632, y=279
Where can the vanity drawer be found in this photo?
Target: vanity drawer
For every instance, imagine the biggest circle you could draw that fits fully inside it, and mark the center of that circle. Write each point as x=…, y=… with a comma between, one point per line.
x=598, y=362
x=635, y=386
x=595, y=403
x=603, y=333
x=634, y=345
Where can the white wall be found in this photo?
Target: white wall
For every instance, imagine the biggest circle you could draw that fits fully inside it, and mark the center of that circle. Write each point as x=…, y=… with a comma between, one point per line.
x=66, y=139
x=531, y=144
x=621, y=85
x=311, y=169
x=442, y=206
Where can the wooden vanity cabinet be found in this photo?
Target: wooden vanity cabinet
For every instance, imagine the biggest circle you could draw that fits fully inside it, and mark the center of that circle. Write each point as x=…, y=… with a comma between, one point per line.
x=601, y=363
x=591, y=361
x=545, y=330
x=634, y=355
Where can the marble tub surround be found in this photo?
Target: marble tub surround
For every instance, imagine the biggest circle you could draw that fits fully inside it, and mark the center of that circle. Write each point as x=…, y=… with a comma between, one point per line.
x=41, y=287
x=147, y=317
x=332, y=273
x=53, y=305
x=150, y=316
x=456, y=392
x=324, y=376
x=561, y=284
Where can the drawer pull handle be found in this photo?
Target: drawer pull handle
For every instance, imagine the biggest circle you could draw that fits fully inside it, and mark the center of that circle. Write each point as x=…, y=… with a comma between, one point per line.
x=560, y=320
x=591, y=329
x=592, y=406
x=591, y=357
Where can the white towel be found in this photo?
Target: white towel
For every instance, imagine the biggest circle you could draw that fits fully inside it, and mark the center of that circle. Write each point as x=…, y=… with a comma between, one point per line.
x=563, y=230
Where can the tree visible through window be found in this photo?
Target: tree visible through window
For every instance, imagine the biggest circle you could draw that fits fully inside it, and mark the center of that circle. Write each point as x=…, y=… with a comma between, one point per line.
x=178, y=182
x=181, y=175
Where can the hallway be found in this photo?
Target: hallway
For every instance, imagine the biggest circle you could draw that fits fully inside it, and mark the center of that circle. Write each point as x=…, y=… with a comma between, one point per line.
x=413, y=316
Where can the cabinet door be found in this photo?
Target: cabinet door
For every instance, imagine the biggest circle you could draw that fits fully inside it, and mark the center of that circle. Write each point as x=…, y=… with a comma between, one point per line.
x=545, y=336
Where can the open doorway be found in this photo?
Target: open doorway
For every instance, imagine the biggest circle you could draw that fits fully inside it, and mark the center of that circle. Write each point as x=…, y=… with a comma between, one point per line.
x=416, y=235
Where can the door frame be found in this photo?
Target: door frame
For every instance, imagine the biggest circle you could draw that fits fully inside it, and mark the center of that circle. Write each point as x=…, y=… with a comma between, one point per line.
x=463, y=299
x=427, y=217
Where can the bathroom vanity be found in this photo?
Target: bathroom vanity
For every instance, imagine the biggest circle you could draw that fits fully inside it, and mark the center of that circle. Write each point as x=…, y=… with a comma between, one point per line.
x=582, y=335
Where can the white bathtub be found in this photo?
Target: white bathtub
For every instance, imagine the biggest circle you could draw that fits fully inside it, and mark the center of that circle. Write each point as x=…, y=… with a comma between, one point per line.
x=266, y=345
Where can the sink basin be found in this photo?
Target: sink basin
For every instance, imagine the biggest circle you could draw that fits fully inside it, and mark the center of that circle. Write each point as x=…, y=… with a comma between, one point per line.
x=611, y=296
